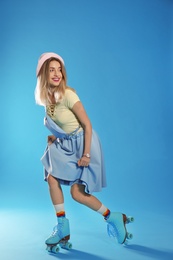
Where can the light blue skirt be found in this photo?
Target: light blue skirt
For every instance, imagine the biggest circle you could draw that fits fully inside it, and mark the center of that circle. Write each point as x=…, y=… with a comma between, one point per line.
x=61, y=157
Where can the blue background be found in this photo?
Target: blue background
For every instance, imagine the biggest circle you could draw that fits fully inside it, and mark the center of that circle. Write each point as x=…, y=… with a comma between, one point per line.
x=119, y=58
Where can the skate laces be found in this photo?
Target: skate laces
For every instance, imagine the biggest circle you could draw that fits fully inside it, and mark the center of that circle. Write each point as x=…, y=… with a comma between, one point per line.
x=57, y=230
x=112, y=230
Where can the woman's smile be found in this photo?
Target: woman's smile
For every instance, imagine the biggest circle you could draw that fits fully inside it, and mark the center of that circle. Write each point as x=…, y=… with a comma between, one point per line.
x=55, y=73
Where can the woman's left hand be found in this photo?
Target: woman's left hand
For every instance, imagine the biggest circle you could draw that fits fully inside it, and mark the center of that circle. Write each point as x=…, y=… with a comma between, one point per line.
x=84, y=161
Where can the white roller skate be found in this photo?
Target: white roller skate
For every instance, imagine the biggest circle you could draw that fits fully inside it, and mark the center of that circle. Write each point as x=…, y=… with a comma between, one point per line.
x=59, y=237
x=117, y=227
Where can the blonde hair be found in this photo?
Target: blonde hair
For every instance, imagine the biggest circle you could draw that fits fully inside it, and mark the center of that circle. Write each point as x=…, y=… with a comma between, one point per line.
x=42, y=87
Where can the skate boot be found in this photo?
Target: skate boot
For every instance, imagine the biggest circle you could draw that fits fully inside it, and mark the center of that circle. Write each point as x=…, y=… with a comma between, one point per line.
x=117, y=227
x=59, y=237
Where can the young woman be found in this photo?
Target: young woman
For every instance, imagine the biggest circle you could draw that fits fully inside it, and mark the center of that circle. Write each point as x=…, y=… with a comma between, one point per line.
x=73, y=155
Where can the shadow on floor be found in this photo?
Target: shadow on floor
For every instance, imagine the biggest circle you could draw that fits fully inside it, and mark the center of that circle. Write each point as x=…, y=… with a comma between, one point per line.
x=151, y=252
x=77, y=255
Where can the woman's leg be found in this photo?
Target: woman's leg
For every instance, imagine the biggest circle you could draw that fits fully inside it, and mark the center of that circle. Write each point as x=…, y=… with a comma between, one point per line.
x=115, y=220
x=61, y=230
x=78, y=194
x=56, y=195
x=55, y=190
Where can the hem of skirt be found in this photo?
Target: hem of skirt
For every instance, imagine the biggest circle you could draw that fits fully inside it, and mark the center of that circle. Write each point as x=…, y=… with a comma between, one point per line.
x=77, y=181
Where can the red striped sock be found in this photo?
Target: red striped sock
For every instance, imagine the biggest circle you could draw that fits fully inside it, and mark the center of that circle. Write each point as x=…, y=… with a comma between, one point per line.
x=106, y=214
x=60, y=214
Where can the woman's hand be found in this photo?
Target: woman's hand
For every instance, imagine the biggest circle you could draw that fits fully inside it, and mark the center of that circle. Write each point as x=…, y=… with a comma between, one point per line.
x=84, y=161
x=51, y=139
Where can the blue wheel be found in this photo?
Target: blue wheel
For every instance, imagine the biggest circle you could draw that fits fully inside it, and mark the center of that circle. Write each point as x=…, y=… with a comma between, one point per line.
x=129, y=235
x=67, y=245
x=48, y=248
x=126, y=242
x=55, y=249
x=129, y=219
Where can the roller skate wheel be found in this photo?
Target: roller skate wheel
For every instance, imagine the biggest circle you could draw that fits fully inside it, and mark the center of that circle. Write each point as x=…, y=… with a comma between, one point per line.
x=48, y=248
x=55, y=249
x=67, y=245
x=129, y=236
x=130, y=219
x=126, y=242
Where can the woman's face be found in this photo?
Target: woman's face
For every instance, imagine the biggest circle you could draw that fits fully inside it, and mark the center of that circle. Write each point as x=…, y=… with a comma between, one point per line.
x=55, y=74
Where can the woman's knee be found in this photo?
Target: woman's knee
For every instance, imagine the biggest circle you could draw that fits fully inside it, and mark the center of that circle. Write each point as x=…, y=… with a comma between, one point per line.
x=52, y=181
x=78, y=193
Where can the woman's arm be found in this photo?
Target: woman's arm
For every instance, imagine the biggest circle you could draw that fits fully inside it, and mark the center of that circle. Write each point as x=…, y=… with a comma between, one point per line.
x=81, y=115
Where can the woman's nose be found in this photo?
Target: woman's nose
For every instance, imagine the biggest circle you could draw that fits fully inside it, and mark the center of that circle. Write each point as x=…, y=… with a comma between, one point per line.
x=56, y=72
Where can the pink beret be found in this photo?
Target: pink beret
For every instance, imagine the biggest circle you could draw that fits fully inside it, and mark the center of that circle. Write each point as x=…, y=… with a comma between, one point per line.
x=45, y=56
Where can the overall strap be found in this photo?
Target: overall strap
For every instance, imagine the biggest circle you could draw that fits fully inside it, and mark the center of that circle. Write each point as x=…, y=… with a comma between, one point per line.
x=56, y=130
